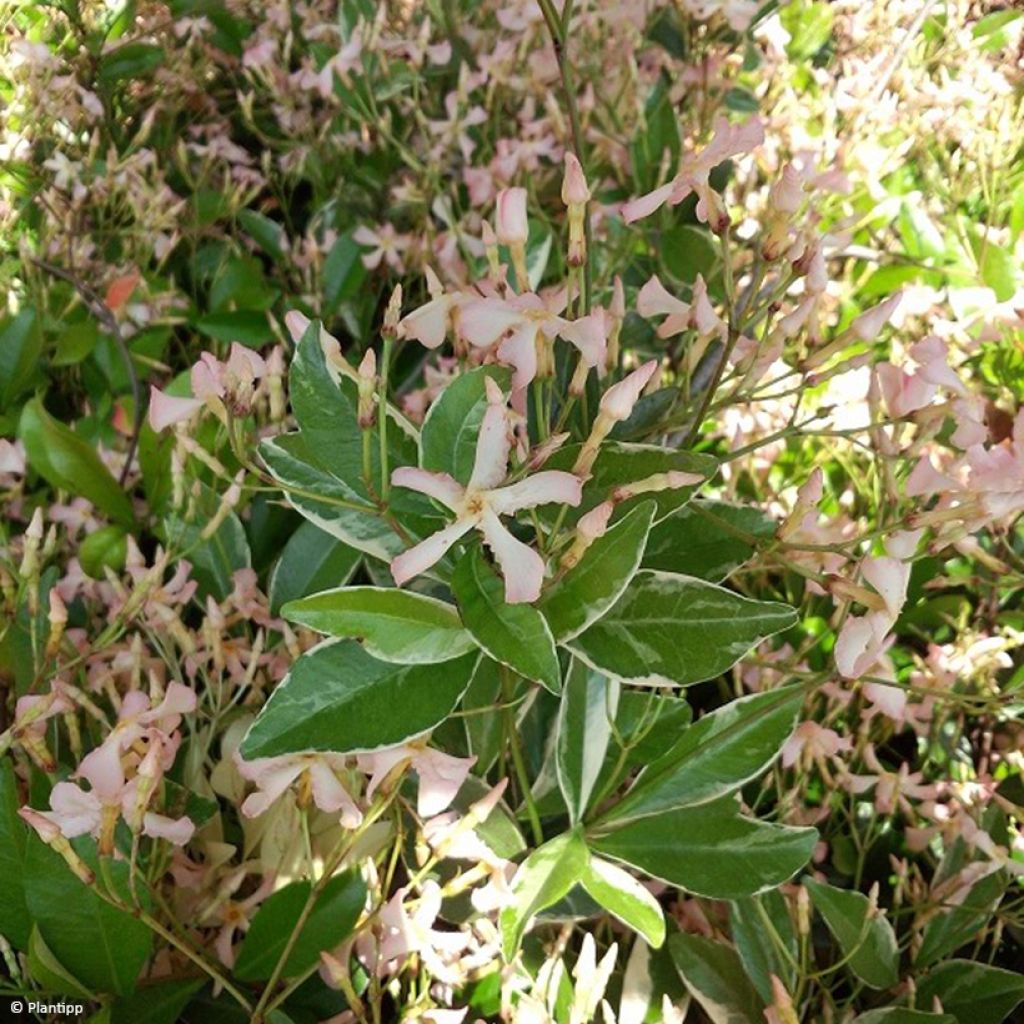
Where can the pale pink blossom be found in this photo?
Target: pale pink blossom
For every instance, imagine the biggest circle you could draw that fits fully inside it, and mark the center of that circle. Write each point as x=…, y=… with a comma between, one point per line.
x=510, y=222
x=480, y=504
x=273, y=776
x=441, y=775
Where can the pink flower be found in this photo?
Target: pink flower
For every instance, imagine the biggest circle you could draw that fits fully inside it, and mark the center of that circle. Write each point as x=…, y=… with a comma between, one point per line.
x=481, y=503
x=729, y=140
x=618, y=401
x=166, y=410
x=273, y=776
x=441, y=775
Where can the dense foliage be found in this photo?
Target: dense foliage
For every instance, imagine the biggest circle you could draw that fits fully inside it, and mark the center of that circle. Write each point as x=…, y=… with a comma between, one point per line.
x=512, y=511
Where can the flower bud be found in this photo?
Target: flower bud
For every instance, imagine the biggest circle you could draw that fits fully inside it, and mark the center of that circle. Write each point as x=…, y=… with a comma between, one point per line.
x=30, y=556
x=671, y=480
x=576, y=195
x=52, y=836
x=367, y=383
x=393, y=314
x=511, y=226
x=588, y=529
x=867, y=326
x=58, y=619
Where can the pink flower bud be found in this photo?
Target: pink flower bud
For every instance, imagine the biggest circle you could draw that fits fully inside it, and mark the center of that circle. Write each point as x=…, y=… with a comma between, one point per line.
x=869, y=323
x=510, y=222
x=787, y=193
x=618, y=401
x=595, y=522
x=574, y=184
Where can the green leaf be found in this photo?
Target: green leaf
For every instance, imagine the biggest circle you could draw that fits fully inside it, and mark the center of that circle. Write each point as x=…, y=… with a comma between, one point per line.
x=809, y=24
x=132, y=60
x=449, y=433
x=394, y=625
x=865, y=937
x=717, y=755
x=625, y=898
x=339, y=698
x=711, y=850
x=545, y=877
x=669, y=629
x=266, y=233
x=332, y=919
x=15, y=921
x=973, y=992
x=696, y=540
x=593, y=586
x=103, y=947
x=21, y=345
x=714, y=976
x=248, y=326
x=484, y=729
x=514, y=634
x=311, y=561
x=344, y=273
x=758, y=945
x=899, y=1015
x=588, y=707
x=159, y=1002
x=948, y=931
x=687, y=250
x=65, y=461
x=49, y=973
x=289, y=461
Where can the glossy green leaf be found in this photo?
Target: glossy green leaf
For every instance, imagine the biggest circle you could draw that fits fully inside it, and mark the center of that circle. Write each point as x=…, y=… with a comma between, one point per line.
x=545, y=877
x=668, y=629
x=103, y=947
x=514, y=634
x=449, y=432
x=129, y=60
x=248, y=326
x=715, y=756
x=688, y=250
x=337, y=697
x=49, y=973
x=15, y=921
x=311, y=561
x=972, y=991
x=593, y=586
x=710, y=850
x=714, y=976
x=484, y=727
x=332, y=919
x=393, y=625
x=344, y=273
x=21, y=346
x=761, y=929
x=697, y=541
x=65, y=461
x=625, y=898
x=158, y=1002
x=865, y=938
x=589, y=702
x=266, y=233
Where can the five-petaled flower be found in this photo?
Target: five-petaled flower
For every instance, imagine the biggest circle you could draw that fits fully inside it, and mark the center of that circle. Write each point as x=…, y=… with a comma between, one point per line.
x=480, y=504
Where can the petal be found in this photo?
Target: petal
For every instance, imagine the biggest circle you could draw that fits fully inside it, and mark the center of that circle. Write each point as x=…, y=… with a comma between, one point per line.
x=175, y=830
x=441, y=778
x=654, y=299
x=330, y=795
x=428, y=552
x=550, y=485
x=73, y=810
x=440, y=486
x=589, y=334
x=278, y=774
x=493, y=442
x=618, y=401
x=521, y=566
x=519, y=350
x=483, y=321
x=428, y=324
x=165, y=410
x=644, y=206
x=102, y=769
x=889, y=577
x=380, y=763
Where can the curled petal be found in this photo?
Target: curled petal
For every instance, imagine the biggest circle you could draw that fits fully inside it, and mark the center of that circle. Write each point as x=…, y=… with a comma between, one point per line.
x=589, y=334
x=175, y=830
x=440, y=486
x=102, y=769
x=493, y=443
x=644, y=206
x=654, y=299
x=166, y=410
x=441, y=778
x=427, y=553
x=73, y=811
x=521, y=566
x=330, y=795
x=428, y=324
x=889, y=577
x=272, y=775
x=618, y=401
x=483, y=321
x=519, y=350
x=546, y=487
x=861, y=642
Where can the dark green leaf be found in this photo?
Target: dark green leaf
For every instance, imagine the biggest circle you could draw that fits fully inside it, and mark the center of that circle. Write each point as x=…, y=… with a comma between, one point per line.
x=344, y=273
x=159, y=1002
x=332, y=919
x=625, y=898
x=339, y=698
x=15, y=922
x=714, y=976
x=761, y=930
x=21, y=346
x=250, y=327
x=973, y=992
x=311, y=561
x=131, y=60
